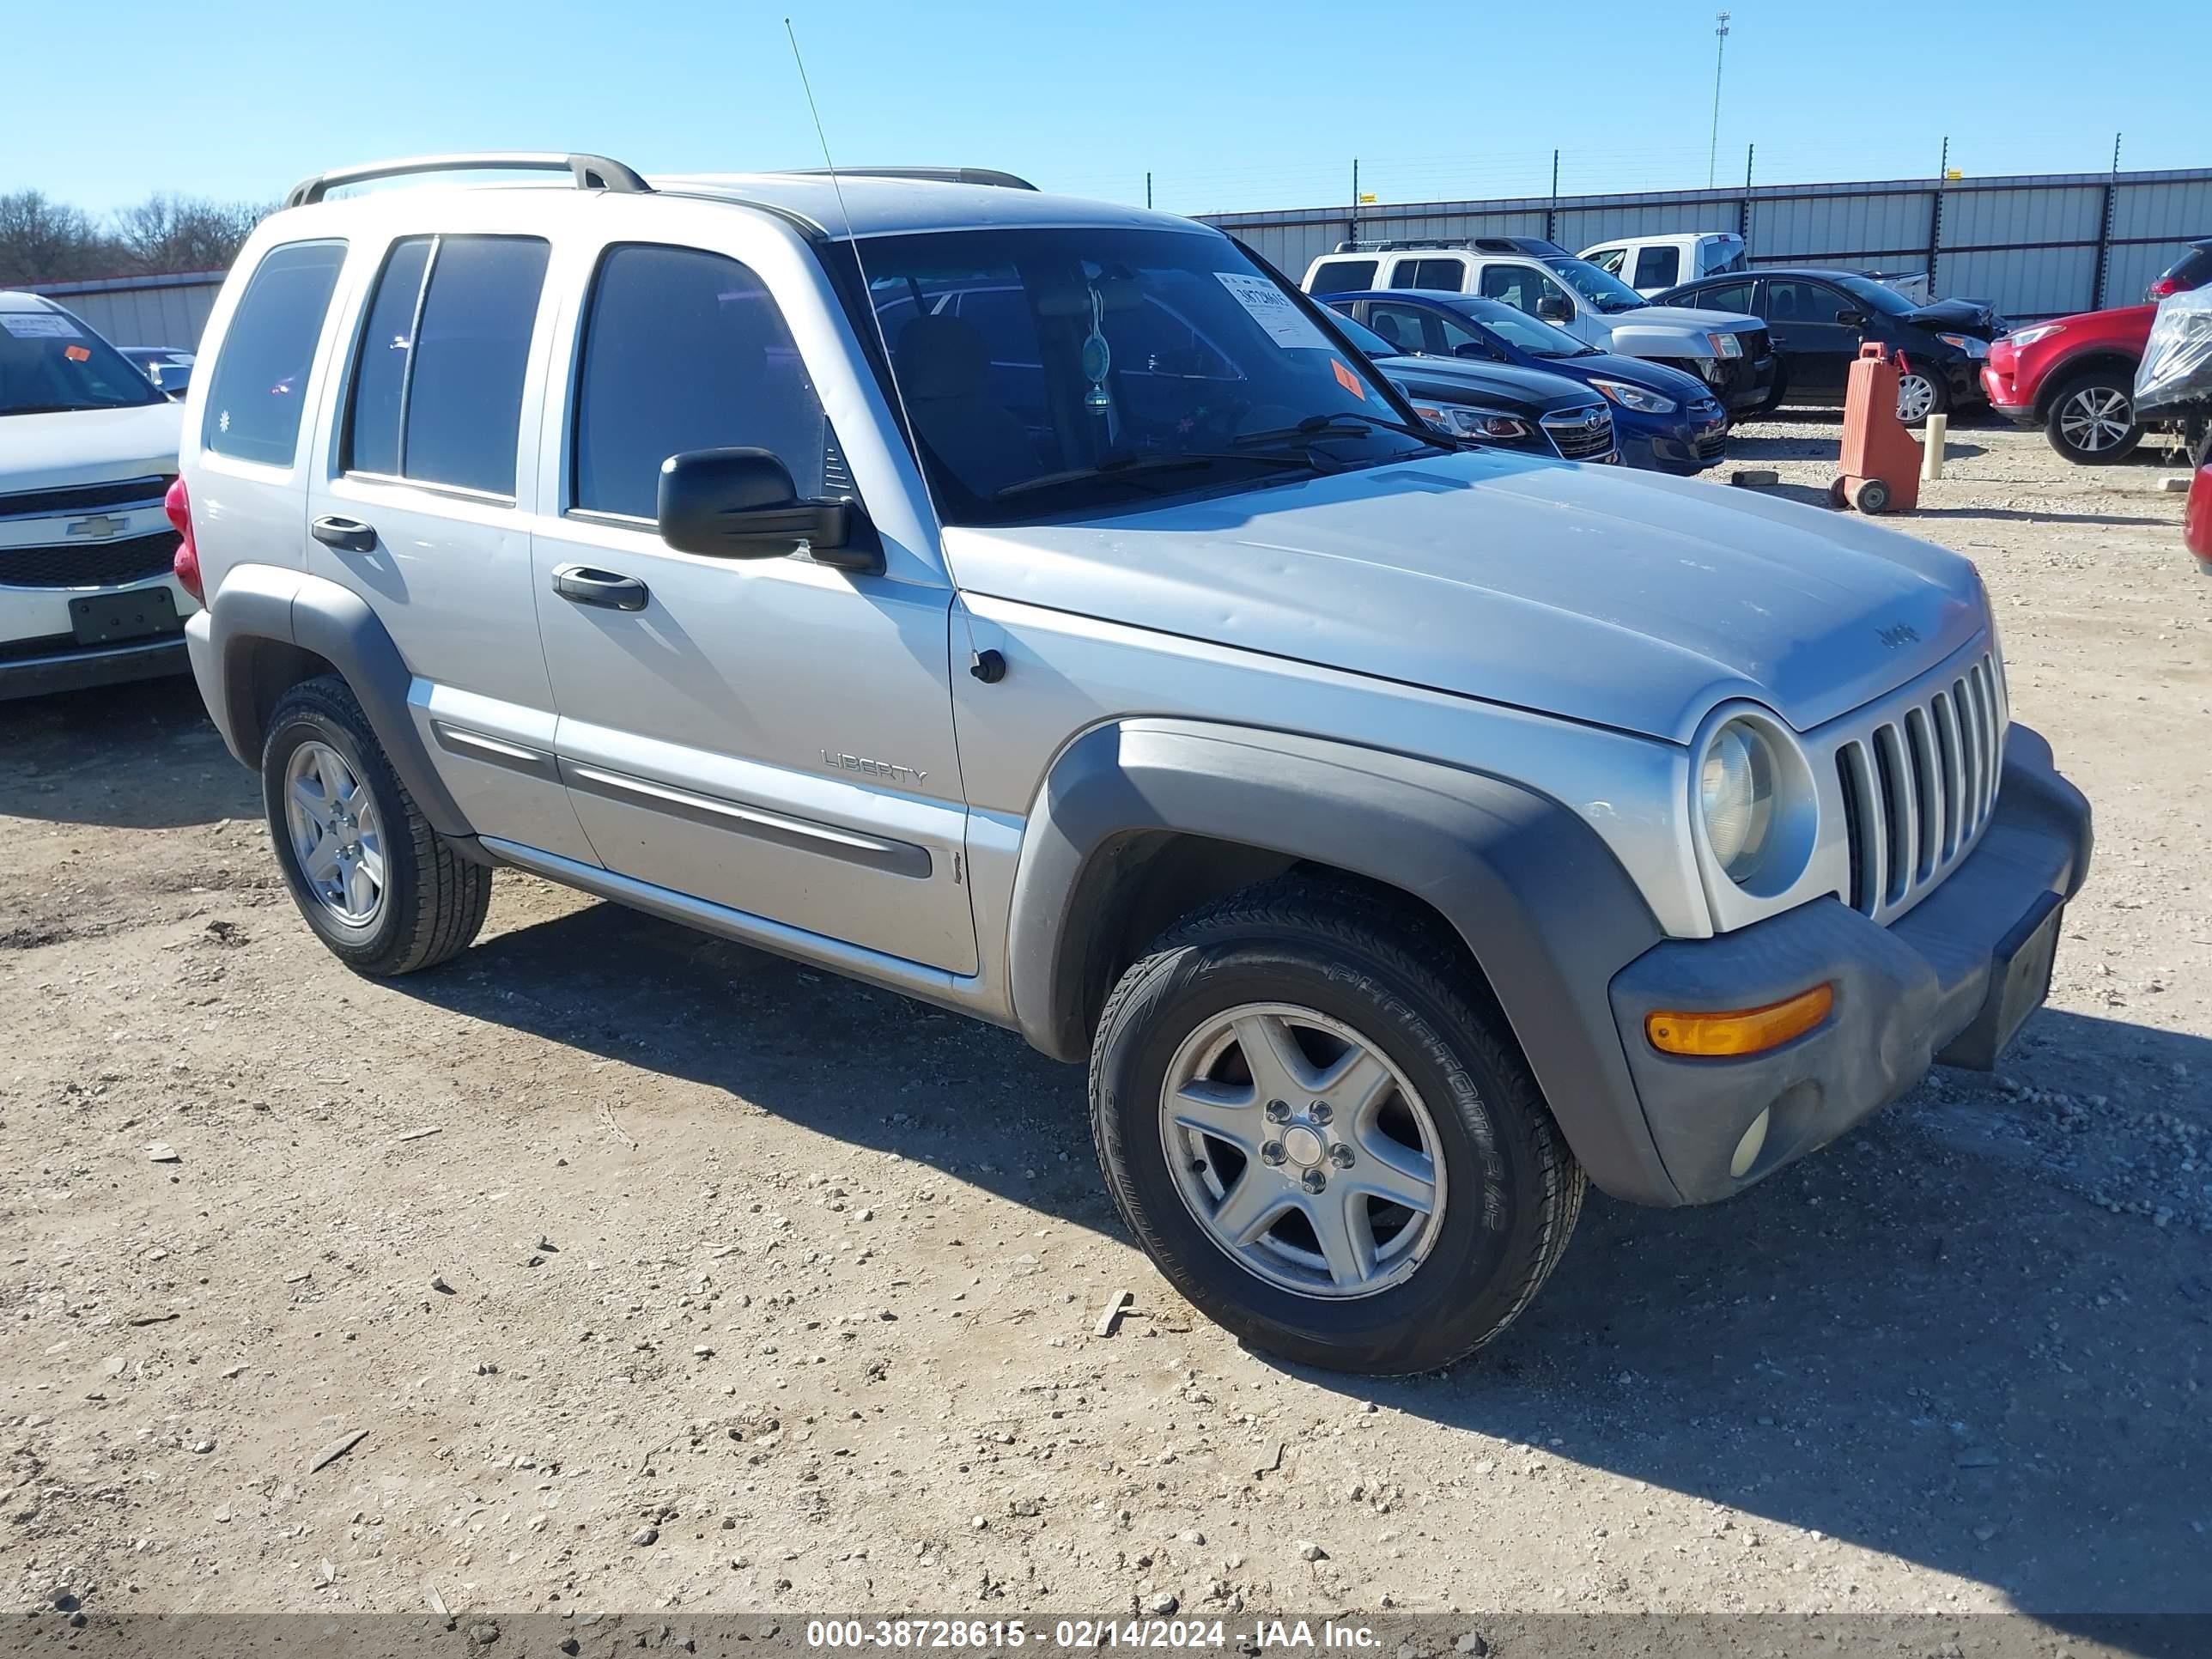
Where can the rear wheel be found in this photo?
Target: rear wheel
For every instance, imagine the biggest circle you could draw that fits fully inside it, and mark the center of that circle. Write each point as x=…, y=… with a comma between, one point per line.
x=1320, y=1141
x=378, y=885
x=1870, y=496
x=2091, y=421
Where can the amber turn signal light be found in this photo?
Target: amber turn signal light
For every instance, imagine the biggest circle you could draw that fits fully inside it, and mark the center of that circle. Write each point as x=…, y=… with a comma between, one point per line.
x=1746, y=1031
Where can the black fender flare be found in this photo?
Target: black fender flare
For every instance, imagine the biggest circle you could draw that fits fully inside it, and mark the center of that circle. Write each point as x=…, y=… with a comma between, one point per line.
x=258, y=603
x=1541, y=902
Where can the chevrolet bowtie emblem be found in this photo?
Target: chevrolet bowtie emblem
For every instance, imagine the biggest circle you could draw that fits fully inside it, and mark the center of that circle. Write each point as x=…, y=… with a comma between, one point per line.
x=99, y=527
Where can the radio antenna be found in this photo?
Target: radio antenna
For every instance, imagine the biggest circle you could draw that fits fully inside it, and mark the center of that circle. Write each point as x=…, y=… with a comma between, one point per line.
x=868, y=293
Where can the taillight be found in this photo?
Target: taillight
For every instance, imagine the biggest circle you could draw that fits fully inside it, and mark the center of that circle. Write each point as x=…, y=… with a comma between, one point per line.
x=2164, y=286
x=184, y=563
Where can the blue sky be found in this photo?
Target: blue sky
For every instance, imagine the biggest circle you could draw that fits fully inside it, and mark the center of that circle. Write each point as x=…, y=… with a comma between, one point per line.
x=1243, y=106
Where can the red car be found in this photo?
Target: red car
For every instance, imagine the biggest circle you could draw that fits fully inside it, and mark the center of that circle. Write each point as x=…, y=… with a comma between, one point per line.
x=2197, y=521
x=2075, y=378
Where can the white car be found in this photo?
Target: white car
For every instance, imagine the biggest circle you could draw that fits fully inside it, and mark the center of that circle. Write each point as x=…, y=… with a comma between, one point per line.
x=1730, y=352
x=1652, y=264
x=88, y=451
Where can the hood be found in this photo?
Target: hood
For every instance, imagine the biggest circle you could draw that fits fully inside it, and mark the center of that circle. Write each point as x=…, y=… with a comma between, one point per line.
x=1684, y=389
x=1623, y=599
x=1974, y=316
x=1523, y=390
x=88, y=446
x=1688, y=317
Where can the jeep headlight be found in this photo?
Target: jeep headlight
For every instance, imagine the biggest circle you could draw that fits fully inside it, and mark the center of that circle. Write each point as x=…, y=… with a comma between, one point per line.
x=1735, y=790
x=1756, y=800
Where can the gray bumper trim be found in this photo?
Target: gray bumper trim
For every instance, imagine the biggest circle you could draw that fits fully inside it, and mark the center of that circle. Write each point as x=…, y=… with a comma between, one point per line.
x=1902, y=993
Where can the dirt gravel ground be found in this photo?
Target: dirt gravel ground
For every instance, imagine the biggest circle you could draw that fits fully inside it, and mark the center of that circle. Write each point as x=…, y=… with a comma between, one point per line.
x=615, y=1268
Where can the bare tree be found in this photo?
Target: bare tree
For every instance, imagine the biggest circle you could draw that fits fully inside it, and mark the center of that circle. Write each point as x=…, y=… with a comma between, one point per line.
x=48, y=242
x=166, y=233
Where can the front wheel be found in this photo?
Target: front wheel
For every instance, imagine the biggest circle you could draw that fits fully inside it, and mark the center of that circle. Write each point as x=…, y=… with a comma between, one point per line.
x=1319, y=1139
x=2091, y=421
x=1920, y=393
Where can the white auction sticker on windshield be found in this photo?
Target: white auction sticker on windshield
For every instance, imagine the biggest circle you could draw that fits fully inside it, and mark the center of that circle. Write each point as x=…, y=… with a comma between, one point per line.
x=39, y=325
x=1272, y=309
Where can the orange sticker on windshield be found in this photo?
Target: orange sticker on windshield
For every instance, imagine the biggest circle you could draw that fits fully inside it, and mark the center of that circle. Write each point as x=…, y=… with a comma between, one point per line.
x=76, y=354
x=1348, y=381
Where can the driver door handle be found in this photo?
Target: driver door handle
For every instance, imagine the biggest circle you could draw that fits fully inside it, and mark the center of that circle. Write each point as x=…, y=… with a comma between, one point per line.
x=348, y=535
x=579, y=584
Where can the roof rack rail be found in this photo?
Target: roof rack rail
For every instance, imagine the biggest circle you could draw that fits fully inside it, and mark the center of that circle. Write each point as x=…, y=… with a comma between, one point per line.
x=1536, y=247
x=936, y=175
x=590, y=172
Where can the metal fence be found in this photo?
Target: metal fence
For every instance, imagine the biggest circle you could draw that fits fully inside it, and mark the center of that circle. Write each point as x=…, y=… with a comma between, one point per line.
x=2034, y=245
x=142, y=311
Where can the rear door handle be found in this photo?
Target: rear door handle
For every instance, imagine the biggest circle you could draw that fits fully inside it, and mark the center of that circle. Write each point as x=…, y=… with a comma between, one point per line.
x=349, y=535
x=579, y=584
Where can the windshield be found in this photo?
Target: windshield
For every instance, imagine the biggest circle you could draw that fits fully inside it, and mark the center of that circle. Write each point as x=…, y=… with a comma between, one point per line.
x=1880, y=295
x=1602, y=288
x=49, y=362
x=1518, y=329
x=1094, y=369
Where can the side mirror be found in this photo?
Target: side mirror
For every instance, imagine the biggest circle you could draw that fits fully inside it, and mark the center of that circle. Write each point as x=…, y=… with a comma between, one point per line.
x=1474, y=348
x=1850, y=320
x=741, y=504
x=1552, y=309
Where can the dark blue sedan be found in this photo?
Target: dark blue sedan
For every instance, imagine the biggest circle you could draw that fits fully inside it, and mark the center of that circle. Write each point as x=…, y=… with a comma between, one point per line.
x=1665, y=420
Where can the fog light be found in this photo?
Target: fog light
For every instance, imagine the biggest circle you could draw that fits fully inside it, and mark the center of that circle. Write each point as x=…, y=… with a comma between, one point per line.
x=1753, y=1143
x=1744, y=1031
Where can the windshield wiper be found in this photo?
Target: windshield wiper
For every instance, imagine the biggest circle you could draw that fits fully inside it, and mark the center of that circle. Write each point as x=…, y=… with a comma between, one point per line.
x=1119, y=469
x=1338, y=425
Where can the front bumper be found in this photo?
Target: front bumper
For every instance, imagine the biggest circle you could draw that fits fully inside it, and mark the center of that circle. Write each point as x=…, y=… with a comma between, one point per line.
x=1949, y=981
x=1741, y=384
x=1680, y=449
x=2005, y=396
x=72, y=667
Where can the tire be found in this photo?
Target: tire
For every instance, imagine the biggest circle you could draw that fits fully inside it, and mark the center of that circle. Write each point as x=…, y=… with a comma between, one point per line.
x=428, y=903
x=1839, y=494
x=1870, y=496
x=1773, y=399
x=2084, y=412
x=1444, y=1283
x=1923, y=393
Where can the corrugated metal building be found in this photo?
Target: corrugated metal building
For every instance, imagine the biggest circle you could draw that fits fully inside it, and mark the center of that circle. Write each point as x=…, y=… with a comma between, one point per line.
x=2034, y=245
x=142, y=311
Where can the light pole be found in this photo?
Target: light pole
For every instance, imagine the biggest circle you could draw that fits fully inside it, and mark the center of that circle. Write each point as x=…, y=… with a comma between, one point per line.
x=1720, y=50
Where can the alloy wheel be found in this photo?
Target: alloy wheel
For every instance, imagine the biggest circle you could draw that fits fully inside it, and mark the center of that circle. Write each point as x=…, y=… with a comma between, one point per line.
x=338, y=836
x=1303, y=1151
x=2095, y=419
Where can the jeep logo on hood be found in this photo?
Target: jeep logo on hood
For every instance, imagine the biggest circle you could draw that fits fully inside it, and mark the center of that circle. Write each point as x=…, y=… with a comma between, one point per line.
x=1903, y=634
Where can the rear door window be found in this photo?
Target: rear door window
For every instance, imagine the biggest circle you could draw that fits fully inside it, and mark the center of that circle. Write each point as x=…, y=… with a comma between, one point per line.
x=1407, y=327
x=260, y=387
x=1343, y=276
x=1657, y=267
x=437, y=393
x=1722, y=296
x=1446, y=274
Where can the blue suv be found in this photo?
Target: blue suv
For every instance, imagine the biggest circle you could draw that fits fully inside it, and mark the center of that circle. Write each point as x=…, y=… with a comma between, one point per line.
x=1664, y=420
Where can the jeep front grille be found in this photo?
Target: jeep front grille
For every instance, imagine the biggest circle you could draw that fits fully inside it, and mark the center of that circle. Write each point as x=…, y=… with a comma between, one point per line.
x=1918, y=785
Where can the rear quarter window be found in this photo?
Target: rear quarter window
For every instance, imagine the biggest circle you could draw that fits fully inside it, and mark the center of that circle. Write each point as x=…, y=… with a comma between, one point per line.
x=1343, y=276
x=257, y=392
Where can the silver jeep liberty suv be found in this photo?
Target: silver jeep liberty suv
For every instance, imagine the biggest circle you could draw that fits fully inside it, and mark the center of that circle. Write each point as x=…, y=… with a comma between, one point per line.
x=1038, y=607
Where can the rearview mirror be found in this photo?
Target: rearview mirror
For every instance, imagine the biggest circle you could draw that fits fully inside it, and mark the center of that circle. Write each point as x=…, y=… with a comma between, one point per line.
x=1551, y=308
x=741, y=504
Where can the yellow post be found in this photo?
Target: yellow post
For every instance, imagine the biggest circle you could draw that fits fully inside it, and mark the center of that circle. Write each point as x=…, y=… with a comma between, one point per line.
x=1932, y=448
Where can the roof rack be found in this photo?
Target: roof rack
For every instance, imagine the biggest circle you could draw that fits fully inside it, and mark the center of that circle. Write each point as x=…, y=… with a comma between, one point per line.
x=589, y=171
x=936, y=175
x=1535, y=246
